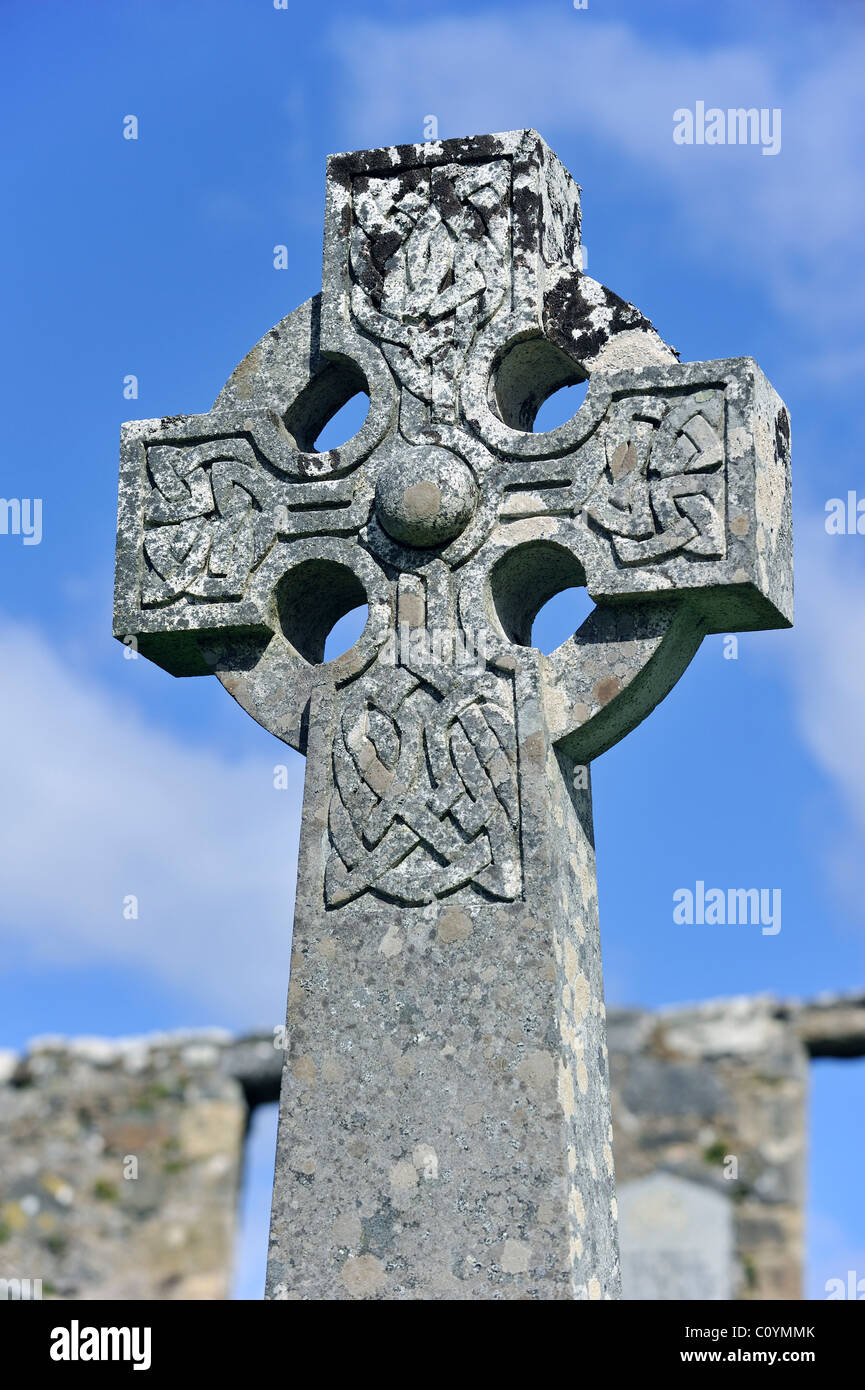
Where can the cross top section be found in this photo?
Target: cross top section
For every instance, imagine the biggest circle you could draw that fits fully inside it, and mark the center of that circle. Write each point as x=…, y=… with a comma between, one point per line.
x=453, y=295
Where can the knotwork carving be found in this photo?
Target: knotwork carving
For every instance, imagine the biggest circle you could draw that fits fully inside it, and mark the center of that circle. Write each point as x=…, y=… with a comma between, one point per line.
x=213, y=513
x=663, y=488
x=425, y=795
x=208, y=520
x=430, y=261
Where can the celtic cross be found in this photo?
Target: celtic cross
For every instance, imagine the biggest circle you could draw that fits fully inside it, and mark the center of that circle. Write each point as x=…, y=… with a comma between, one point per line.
x=444, y=1121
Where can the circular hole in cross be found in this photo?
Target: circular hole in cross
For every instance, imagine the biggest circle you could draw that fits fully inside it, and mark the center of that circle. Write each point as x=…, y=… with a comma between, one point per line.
x=330, y=410
x=536, y=386
x=560, y=407
x=320, y=603
x=558, y=618
x=344, y=425
x=538, y=591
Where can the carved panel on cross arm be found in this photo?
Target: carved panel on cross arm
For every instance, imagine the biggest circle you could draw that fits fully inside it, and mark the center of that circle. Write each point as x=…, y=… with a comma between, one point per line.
x=212, y=512
x=663, y=489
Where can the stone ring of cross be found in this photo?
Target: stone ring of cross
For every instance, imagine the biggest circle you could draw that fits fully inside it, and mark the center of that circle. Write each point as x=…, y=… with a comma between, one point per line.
x=443, y=748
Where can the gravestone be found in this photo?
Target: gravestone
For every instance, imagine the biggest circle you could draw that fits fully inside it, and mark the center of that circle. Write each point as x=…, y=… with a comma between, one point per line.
x=677, y=1240
x=444, y=1116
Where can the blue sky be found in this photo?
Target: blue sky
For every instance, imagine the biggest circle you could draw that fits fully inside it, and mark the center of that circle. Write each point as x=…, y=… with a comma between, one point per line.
x=155, y=257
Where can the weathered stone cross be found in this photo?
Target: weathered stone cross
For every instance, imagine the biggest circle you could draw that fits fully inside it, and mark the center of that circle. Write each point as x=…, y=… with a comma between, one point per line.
x=444, y=1124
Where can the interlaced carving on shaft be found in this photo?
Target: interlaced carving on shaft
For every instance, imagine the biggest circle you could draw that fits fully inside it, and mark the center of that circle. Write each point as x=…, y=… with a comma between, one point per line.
x=425, y=795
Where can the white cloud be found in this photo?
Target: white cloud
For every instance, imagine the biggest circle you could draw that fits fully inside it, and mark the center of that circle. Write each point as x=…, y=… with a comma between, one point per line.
x=97, y=805
x=793, y=223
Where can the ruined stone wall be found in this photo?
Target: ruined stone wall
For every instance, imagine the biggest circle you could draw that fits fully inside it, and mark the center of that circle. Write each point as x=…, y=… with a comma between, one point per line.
x=713, y=1098
x=710, y=1117
x=120, y=1161
x=119, y=1167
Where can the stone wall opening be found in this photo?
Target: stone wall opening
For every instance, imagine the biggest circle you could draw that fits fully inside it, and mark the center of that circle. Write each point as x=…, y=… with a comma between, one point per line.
x=835, y=1221
x=253, y=1214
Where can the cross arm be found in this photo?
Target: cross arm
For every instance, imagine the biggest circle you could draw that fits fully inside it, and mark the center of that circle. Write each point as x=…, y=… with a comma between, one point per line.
x=694, y=496
x=680, y=490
